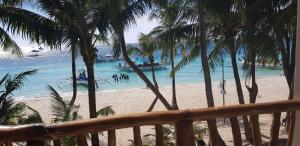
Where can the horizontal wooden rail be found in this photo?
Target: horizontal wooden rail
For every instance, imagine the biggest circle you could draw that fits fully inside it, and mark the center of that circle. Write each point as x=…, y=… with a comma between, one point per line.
x=54, y=131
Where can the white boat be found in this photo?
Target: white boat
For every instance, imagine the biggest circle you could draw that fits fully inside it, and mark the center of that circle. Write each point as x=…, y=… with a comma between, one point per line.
x=35, y=52
x=105, y=58
x=142, y=66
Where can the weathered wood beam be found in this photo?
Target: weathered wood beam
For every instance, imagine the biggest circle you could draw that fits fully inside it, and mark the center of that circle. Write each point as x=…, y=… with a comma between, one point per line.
x=54, y=131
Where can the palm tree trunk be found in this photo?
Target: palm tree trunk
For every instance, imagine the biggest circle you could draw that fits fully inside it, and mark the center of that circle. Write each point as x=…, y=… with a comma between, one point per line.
x=174, y=100
x=247, y=128
x=140, y=73
x=155, y=83
x=151, y=58
x=74, y=75
x=92, y=98
x=214, y=136
x=253, y=91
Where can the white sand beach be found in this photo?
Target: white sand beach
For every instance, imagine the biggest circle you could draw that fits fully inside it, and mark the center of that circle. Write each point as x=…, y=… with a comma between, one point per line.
x=189, y=96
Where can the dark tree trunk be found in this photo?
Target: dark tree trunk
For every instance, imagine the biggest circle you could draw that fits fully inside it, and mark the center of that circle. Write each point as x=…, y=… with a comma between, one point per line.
x=214, y=136
x=140, y=73
x=151, y=58
x=236, y=132
x=288, y=61
x=247, y=128
x=174, y=100
x=92, y=98
x=253, y=91
x=274, y=135
x=155, y=83
x=74, y=75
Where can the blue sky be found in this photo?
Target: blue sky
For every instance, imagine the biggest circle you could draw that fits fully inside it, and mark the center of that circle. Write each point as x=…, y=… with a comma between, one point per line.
x=131, y=35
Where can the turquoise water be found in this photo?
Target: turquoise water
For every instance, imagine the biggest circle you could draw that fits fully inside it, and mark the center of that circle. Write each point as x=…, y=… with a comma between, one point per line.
x=55, y=70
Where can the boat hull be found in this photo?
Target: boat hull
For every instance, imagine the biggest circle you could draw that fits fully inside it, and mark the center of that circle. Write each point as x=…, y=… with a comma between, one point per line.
x=129, y=69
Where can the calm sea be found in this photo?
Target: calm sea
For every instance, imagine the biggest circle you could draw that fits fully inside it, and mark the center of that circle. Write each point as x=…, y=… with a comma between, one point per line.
x=55, y=70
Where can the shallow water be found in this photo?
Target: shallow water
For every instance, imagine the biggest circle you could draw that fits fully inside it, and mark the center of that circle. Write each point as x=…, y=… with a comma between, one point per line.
x=55, y=70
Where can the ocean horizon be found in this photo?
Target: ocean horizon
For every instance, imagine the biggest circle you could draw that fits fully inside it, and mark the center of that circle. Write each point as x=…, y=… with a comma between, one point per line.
x=55, y=69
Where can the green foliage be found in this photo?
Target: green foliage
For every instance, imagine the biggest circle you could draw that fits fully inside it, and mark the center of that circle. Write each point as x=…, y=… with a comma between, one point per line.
x=62, y=112
x=105, y=111
x=12, y=113
x=169, y=135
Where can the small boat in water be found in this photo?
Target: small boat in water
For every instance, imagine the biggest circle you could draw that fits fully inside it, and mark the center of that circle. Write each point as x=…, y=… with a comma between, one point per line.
x=35, y=52
x=82, y=79
x=105, y=58
x=145, y=66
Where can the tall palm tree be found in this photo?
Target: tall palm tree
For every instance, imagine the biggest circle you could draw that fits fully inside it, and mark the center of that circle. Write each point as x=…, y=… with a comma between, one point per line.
x=252, y=38
x=120, y=14
x=169, y=33
x=215, y=138
x=225, y=26
x=77, y=21
x=146, y=48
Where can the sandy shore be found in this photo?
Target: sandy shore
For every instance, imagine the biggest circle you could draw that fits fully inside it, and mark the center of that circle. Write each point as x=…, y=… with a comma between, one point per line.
x=189, y=96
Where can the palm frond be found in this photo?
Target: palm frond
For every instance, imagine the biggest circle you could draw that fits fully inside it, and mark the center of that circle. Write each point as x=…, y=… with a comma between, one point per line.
x=9, y=45
x=194, y=53
x=105, y=111
x=34, y=117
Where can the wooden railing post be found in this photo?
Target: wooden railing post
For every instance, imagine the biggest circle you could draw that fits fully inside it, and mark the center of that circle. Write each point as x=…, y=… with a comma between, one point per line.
x=159, y=135
x=137, y=136
x=184, y=133
x=81, y=140
x=36, y=143
x=111, y=138
x=57, y=142
x=274, y=131
x=8, y=144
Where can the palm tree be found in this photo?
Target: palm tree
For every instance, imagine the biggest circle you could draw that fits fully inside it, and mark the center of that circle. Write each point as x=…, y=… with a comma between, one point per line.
x=64, y=110
x=10, y=111
x=225, y=26
x=77, y=21
x=26, y=24
x=252, y=39
x=169, y=34
x=215, y=138
x=146, y=48
x=121, y=14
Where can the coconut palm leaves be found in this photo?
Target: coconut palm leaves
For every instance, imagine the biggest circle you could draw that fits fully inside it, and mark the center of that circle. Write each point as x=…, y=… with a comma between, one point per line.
x=171, y=31
x=11, y=112
x=64, y=110
x=9, y=45
x=28, y=25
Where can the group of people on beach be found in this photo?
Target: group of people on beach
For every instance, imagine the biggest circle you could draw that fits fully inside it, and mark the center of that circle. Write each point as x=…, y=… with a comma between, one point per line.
x=120, y=77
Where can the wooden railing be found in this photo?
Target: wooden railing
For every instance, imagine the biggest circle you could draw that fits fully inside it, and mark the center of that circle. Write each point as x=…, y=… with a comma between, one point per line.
x=35, y=134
